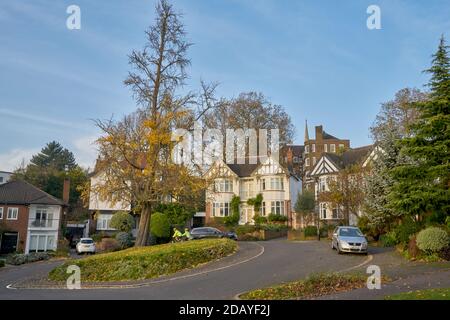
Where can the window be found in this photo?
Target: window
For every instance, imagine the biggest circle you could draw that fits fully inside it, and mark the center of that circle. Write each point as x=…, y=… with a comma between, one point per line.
x=325, y=148
x=322, y=185
x=13, y=214
x=263, y=209
x=335, y=213
x=277, y=207
x=314, y=161
x=41, y=242
x=1, y=179
x=224, y=185
x=221, y=209
x=323, y=210
x=313, y=147
x=103, y=222
x=263, y=184
x=1, y=213
x=306, y=149
x=332, y=148
x=276, y=183
x=307, y=162
x=43, y=218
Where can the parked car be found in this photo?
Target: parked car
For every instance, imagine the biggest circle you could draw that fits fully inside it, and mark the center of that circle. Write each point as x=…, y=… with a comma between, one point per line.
x=209, y=232
x=349, y=239
x=85, y=245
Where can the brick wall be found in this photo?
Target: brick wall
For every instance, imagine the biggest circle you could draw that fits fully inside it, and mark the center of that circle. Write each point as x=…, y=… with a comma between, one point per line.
x=20, y=225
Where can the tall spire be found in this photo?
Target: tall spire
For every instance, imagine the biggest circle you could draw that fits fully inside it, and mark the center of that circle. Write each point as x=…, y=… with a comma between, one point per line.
x=306, y=131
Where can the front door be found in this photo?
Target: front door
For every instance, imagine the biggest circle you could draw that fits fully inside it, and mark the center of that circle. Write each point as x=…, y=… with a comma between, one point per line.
x=9, y=242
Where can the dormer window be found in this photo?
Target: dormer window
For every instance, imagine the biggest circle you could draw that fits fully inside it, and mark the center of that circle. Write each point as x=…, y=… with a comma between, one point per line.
x=223, y=185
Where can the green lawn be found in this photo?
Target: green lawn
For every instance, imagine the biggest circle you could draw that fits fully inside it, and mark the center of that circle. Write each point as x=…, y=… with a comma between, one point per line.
x=430, y=294
x=147, y=262
x=314, y=286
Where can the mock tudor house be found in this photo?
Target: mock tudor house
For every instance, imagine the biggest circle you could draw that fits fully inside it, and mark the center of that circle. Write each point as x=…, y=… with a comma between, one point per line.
x=278, y=185
x=323, y=142
x=29, y=218
x=327, y=168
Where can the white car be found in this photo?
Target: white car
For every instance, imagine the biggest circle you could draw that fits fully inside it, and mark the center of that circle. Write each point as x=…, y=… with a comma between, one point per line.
x=85, y=245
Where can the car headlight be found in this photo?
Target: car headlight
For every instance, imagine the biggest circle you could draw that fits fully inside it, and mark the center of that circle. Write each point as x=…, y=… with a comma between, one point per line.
x=344, y=243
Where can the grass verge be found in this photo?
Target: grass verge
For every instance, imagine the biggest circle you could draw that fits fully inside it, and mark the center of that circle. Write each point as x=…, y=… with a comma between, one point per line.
x=147, y=262
x=429, y=294
x=315, y=285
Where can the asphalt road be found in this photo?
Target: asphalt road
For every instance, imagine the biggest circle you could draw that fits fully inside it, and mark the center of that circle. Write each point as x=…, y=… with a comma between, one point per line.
x=255, y=265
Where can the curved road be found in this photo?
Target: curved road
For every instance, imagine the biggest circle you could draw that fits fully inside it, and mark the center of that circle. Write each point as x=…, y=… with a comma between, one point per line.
x=256, y=265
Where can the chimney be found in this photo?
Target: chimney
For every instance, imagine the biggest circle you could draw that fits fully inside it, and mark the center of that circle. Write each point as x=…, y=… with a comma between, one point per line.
x=66, y=190
x=319, y=134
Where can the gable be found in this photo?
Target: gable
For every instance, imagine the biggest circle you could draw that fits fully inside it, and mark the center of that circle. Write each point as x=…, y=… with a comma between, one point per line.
x=219, y=169
x=324, y=166
x=269, y=167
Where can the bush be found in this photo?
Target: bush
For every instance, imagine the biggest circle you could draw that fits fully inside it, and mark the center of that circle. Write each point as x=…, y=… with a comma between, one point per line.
x=63, y=249
x=259, y=219
x=122, y=221
x=277, y=218
x=2, y=263
x=147, y=262
x=310, y=231
x=16, y=259
x=389, y=239
x=232, y=220
x=37, y=256
x=108, y=245
x=245, y=229
x=432, y=240
x=404, y=231
x=273, y=227
x=124, y=240
x=160, y=225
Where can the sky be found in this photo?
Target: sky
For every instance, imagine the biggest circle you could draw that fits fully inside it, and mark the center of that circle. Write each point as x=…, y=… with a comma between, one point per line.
x=316, y=58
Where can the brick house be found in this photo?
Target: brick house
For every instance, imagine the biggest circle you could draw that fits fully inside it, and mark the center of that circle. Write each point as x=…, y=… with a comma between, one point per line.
x=29, y=218
x=323, y=142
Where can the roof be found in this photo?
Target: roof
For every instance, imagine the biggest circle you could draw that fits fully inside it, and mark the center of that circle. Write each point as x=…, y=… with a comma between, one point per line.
x=329, y=136
x=23, y=193
x=351, y=156
x=243, y=170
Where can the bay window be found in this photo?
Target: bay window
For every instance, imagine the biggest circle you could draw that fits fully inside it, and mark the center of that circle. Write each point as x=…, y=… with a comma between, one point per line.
x=221, y=209
x=277, y=207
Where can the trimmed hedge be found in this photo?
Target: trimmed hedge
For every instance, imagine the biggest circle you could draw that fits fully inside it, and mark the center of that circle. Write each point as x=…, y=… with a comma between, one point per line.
x=310, y=231
x=147, y=262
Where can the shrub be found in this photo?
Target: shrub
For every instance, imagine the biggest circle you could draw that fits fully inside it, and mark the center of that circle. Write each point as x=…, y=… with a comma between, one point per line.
x=160, y=225
x=37, y=256
x=63, y=249
x=246, y=229
x=273, y=227
x=389, y=239
x=147, y=262
x=124, y=240
x=432, y=240
x=122, y=221
x=16, y=259
x=277, y=218
x=259, y=219
x=405, y=230
x=2, y=263
x=310, y=231
x=108, y=245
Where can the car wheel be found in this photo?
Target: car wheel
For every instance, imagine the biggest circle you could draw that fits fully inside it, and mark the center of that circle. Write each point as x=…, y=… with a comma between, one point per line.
x=332, y=245
x=338, y=249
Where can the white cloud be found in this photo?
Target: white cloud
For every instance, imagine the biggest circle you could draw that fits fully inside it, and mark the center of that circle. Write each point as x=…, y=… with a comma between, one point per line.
x=13, y=159
x=85, y=151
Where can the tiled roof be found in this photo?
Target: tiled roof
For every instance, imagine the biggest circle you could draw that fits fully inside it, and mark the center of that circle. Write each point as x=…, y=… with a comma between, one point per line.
x=351, y=156
x=243, y=170
x=23, y=193
x=329, y=136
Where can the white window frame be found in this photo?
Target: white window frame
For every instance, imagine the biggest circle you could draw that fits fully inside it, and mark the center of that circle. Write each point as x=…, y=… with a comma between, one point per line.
x=332, y=148
x=221, y=209
x=224, y=185
x=313, y=147
x=307, y=162
x=1, y=212
x=325, y=148
x=263, y=209
x=277, y=207
x=323, y=210
x=12, y=209
x=103, y=223
x=276, y=183
x=306, y=149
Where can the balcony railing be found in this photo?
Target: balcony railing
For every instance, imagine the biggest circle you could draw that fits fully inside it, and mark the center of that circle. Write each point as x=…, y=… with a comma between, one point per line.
x=247, y=194
x=45, y=223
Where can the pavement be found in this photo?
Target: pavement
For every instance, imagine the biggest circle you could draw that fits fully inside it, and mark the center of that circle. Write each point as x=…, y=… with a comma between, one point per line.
x=255, y=265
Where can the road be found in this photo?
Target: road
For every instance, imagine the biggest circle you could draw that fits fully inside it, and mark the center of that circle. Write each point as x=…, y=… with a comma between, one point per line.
x=256, y=265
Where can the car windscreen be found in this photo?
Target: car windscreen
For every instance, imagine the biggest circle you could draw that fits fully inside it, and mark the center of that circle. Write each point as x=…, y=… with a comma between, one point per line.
x=87, y=241
x=350, y=232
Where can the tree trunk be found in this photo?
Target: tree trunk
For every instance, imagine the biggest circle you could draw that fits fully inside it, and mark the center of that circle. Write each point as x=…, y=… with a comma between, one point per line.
x=144, y=225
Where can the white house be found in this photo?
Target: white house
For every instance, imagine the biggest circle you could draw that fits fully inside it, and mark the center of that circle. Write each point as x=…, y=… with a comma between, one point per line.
x=5, y=176
x=327, y=167
x=277, y=184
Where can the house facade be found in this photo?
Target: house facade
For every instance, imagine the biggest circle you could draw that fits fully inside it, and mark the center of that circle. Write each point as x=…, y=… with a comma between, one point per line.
x=328, y=167
x=30, y=219
x=314, y=148
x=278, y=186
x=5, y=176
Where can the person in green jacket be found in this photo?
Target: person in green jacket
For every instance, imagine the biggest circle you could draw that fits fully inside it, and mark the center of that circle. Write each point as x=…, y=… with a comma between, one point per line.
x=176, y=235
x=186, y=234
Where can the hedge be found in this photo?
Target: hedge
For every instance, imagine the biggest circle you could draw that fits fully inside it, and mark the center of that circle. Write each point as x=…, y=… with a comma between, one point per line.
x=147, y=262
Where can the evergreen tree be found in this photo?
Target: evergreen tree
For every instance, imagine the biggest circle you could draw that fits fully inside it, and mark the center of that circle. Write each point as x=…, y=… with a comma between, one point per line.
x=421, y=183
x=54, y=156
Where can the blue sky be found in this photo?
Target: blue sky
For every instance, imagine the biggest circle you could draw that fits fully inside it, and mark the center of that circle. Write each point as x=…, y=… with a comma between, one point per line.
x=316, y=58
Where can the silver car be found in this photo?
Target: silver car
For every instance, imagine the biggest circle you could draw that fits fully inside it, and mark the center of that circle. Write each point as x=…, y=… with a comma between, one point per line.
x=349, y=239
